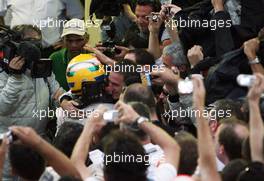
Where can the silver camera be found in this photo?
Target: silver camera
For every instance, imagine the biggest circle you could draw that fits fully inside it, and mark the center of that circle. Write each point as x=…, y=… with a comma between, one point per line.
x=110, y=116
x=246, y=80
x=185, y=86
x=96, y=156
x=154, y=17
x=9, y=135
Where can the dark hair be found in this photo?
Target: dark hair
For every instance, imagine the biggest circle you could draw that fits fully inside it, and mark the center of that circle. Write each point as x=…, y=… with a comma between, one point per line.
x=119, y=144
x=25, y=28
x=189, y=152
x=232, y=169
x=226, y=105
x=67, y=136
x=254, y=171
x=128, y=73
x=132, y=39
x=143, y=57
x=140, y=93
x=99, y=143
x=26, y=162
x=67, y=178
x=231, y=141
x=142, y=110
x=155, y=4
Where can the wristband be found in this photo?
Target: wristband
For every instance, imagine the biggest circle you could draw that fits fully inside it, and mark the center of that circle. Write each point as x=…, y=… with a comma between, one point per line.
x=65, y=97
x=141, y=119
x=255, y=61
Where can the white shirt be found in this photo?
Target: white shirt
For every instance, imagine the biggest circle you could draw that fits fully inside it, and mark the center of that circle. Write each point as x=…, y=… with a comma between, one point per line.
x=164, y=172
x=42, y=13
x=49, y=175
x=157, y=170
x=219, y=166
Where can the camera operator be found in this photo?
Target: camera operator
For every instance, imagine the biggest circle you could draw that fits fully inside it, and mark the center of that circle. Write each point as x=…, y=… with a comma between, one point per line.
x=23, y=97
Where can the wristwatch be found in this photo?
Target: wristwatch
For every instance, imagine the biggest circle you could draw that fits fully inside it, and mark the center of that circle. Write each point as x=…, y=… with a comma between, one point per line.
x=255, y=61
x=141, y=119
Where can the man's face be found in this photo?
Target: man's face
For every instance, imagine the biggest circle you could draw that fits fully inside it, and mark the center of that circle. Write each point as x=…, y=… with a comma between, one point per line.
x=218, y=148
x=141, y=13
x=116, y=82
x=74, y=43
x=167, y=60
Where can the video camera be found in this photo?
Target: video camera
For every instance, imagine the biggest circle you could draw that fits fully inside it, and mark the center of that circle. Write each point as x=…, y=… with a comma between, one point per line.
x=108, y=26
x=110, y=50
x=12, y=45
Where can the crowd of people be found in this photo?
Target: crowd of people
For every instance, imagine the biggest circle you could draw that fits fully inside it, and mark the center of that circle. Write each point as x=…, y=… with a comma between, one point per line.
x=172, y=92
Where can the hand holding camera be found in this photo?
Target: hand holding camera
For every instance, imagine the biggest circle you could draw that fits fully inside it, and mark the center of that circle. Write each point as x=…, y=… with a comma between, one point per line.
x=166, y=75
x=126, y=113
x=7, y=137
x=257, y=88
x=110, y=116
x=16, y=64
x=195, y=55
x=27, y=136
x=168, y=11
x=154, y=22
x=122, y=51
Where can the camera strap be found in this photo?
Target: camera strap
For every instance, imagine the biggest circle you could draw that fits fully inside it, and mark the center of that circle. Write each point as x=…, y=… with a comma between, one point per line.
x=50, y=101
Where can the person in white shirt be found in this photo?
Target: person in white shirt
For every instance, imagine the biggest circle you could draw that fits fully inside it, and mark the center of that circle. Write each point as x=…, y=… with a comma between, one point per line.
x=48, y=15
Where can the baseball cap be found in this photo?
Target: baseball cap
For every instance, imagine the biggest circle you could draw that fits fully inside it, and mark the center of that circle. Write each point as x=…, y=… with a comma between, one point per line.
x=74, y=26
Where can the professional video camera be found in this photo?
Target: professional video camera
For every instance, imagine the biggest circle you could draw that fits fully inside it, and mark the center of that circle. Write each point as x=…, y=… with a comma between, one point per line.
x=108, y=26
x=12, y=44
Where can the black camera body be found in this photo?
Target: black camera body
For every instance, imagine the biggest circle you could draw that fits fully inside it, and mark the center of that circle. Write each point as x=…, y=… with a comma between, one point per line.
x=110, y=50
x=12, y=45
